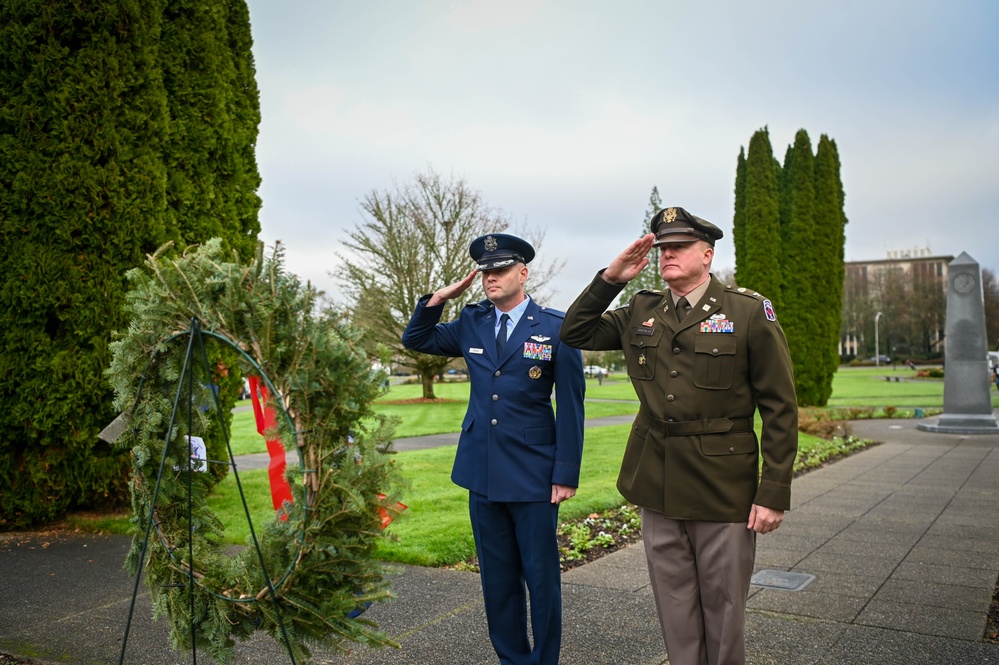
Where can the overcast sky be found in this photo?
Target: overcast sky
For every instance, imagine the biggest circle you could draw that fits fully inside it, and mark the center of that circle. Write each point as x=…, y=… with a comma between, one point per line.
x=566, y=114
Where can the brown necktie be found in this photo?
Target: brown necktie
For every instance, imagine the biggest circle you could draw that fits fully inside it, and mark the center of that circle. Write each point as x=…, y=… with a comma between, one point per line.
x=681, y=309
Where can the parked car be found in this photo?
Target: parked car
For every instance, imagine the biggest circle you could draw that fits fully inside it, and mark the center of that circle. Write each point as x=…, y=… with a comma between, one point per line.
x=594, y=370
x=884, y=360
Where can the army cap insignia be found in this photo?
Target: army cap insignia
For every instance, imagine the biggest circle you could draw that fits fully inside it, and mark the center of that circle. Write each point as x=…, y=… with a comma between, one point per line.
x=669, y=215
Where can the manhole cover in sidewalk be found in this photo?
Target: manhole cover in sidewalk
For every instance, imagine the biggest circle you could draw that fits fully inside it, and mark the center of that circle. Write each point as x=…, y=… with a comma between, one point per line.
x=781, y=579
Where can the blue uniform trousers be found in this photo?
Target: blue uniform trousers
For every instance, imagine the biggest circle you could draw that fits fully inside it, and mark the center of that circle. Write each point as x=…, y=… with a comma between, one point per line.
x=516, y=544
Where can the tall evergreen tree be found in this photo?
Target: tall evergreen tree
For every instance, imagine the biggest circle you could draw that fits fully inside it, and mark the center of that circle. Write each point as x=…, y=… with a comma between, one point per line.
x=830, y=240
x=761, y=269
x=82, y=184
x=123, y=124
x=649, y=279
x=214, y=113
x=802, y=312
x=739, y=218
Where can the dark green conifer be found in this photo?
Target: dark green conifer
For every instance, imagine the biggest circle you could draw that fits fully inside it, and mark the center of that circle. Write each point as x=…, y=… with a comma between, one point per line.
x=830, y=238
x=761, y=270
x=803, y=264
x=83, y=113
x=123, y=124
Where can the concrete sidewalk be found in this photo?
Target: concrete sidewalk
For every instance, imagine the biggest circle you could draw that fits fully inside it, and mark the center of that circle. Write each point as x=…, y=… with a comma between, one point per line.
x=902, y=540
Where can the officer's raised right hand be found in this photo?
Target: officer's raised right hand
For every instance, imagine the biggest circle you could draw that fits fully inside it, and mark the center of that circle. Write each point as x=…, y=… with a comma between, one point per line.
x=630, y=262
x=452, y=291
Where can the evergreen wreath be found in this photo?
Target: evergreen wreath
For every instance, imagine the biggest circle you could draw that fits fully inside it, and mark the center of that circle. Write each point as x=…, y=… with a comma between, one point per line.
x=317, y=554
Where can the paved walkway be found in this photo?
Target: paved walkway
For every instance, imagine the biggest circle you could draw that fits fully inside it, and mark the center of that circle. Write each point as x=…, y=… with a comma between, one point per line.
x=903, y=541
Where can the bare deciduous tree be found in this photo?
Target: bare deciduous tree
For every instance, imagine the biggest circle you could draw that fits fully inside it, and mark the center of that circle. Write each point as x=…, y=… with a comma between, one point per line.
x=413, y=241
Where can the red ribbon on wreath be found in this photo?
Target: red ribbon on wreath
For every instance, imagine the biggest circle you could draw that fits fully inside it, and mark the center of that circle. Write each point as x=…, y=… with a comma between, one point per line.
x=266, y=417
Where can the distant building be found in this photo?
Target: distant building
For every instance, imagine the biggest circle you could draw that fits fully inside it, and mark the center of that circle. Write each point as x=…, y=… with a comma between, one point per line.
x=910, y=286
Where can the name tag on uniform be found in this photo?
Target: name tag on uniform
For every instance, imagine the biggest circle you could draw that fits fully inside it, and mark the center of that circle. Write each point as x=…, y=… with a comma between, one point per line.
x=642, y=330
x=474, y=350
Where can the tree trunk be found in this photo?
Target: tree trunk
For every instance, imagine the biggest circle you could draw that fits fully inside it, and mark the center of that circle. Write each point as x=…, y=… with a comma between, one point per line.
x=427, y=378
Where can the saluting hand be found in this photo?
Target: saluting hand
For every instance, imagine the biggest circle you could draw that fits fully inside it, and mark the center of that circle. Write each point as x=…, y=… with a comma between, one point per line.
x=630, y=262
x=452, y=291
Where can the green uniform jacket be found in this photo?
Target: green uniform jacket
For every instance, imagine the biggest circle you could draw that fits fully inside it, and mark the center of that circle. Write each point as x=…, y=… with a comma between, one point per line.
x=692, y=453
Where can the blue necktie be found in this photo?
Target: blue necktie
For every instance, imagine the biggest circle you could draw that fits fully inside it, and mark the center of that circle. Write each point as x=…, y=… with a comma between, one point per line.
x=501, y=337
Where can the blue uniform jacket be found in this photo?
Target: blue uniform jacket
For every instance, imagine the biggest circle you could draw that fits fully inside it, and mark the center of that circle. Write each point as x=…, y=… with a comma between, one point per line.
x=511, y=448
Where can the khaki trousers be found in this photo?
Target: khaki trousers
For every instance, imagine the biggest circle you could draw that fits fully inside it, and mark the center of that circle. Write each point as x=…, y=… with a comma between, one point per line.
x=700, y=574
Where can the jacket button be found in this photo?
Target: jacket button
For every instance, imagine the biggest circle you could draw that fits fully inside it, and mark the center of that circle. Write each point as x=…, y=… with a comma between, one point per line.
x=493, y=421
x=714, y=351
x=669, y=420
x=731, y=449
x=676, y=350
x=495, y=397
x=497, y=373
x=674, y=374
x=670, y=398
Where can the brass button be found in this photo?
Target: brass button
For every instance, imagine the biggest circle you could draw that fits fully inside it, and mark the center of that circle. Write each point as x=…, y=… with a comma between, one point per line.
x=670, y=398
x=674, y=374
x=676, y=350
x=714, y=351
x=731, y=449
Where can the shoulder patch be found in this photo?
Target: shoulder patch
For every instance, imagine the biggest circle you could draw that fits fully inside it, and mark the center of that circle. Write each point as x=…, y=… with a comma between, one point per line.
x=768, y=310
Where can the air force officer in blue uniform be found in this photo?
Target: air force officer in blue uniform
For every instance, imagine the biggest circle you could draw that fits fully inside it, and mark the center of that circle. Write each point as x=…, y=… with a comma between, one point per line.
x=516, y=459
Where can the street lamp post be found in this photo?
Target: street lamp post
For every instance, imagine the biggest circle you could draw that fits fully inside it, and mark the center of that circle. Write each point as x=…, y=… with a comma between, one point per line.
x=877, y=346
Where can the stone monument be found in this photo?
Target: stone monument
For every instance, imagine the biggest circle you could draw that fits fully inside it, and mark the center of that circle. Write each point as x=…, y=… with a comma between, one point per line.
x=967, y=385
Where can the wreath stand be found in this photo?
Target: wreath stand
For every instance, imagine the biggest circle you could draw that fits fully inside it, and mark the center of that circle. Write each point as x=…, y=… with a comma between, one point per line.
x=196, y=344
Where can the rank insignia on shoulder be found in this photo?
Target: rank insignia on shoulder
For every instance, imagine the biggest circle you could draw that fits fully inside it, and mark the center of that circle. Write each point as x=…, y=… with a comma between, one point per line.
x=534, y=372
x=768, y=310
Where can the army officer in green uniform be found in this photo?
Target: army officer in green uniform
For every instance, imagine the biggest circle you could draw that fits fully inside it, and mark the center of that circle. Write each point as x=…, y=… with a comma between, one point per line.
x=703, y=357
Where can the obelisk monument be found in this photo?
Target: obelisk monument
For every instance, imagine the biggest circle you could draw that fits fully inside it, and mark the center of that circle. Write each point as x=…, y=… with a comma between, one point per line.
x=967, y=385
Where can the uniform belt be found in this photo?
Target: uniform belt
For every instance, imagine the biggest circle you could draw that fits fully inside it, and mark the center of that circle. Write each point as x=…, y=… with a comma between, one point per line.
x=692, y=427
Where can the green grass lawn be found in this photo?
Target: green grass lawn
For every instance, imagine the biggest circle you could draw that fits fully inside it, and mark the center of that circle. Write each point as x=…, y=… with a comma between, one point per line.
x=434, y=530
x=868, y=386
x=423, y=418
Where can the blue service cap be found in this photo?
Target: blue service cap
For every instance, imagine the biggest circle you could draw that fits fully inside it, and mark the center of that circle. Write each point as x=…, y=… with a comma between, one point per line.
x=499, y=250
